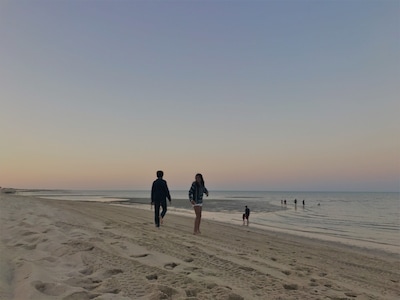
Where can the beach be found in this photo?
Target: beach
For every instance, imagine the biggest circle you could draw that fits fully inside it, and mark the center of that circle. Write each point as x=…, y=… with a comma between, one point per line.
x=53, y=249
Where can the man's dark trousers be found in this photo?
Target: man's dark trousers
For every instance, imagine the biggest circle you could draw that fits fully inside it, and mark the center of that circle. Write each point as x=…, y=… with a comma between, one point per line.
x=157, y=204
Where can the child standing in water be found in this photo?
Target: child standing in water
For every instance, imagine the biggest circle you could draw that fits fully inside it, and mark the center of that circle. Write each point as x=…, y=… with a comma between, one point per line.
x=246, y=215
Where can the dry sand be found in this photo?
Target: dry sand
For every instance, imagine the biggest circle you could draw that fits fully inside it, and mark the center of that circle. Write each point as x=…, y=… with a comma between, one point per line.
x=80, y=250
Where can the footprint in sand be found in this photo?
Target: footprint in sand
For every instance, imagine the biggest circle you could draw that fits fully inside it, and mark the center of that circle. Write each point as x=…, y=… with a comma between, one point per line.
x=191, y=293
x=108, y=289
x=50, y=259
x=247, y=269
x=139, y=255
x=191, y=269
x=152, y=277
x=351, y=294
x=50, y=289
x=80, y=295
x=292, y=286
x=112, y=272
x=166, y=292
x=79, y=246
x=30, y=246
x=313, y=283
x=87, y=271
x=26, y=233
x=85, y=283
x=170, y=266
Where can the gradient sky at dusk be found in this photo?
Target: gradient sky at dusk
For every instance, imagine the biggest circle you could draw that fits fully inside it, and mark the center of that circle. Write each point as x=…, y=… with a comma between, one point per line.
x=256, y=95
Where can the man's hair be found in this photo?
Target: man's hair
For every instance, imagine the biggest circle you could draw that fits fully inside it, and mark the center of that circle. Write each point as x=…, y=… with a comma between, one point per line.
x=160, y=174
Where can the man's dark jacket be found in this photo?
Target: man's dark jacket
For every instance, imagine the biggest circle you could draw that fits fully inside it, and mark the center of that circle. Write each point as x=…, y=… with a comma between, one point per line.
x=159, y=191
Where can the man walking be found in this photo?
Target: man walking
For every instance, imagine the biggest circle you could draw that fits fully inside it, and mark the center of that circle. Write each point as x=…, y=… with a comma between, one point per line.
x=159, y=195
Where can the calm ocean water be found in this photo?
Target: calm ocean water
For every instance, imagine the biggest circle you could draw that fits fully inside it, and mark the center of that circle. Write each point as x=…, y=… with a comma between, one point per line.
x=370, y=220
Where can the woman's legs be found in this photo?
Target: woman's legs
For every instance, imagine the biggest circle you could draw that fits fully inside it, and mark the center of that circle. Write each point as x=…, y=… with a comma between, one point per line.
x=198, y=224
x=197, y=210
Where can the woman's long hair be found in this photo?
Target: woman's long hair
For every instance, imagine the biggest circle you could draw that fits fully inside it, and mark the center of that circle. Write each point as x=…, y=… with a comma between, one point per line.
x=201, y=179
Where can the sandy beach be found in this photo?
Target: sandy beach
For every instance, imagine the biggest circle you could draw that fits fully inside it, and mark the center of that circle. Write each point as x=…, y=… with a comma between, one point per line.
x=83, y=250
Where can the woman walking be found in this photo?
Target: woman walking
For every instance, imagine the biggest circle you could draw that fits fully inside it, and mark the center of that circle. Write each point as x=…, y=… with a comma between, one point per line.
x=196, y=198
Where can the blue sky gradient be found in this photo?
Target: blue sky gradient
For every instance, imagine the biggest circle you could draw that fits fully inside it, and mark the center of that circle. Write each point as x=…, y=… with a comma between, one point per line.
x=256, y=95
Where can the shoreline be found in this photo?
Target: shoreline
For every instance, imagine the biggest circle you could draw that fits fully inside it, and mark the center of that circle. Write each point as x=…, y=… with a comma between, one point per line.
x=229, y=217
x=66, y=249
x=361, y=245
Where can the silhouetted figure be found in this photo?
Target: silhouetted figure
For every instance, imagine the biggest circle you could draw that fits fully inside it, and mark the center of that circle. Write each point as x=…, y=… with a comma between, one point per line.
x=196, y=198
x=246, y=215
x=159, y=195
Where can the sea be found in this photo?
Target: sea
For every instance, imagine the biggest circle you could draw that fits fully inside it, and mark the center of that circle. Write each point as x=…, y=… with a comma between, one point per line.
x=362, y=219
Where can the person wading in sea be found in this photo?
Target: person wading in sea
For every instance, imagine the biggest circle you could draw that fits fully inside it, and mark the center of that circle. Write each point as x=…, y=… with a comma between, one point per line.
x=246, y=215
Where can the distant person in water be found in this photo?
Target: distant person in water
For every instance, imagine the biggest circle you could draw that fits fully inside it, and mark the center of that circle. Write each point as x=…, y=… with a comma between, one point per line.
x=159, y=195
x=196, y=198
x=246, y=215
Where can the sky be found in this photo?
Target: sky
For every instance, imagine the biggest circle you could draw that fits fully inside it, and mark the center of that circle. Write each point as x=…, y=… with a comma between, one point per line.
x=255, y=95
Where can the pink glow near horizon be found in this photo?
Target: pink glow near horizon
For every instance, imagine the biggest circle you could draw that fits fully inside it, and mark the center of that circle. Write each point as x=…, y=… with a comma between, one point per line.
x=242, y=93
